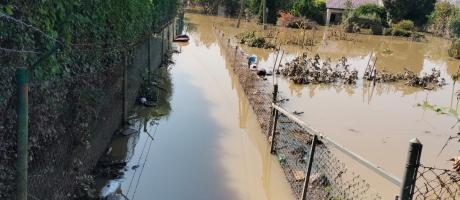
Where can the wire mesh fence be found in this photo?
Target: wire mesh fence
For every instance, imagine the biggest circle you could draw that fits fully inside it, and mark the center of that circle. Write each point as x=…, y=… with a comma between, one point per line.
x=257, y=89
x=330, y=178
x=434, y=183
x=62, y=134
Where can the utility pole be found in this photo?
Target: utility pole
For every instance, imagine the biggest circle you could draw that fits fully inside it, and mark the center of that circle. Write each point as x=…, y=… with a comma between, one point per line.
x=240, y=14
x=23, y=132
x=264, y=14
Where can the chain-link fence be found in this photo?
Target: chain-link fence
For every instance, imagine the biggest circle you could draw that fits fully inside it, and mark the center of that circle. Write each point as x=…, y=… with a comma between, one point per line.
x=434, y=183
x=292, y=143
x=328, y=177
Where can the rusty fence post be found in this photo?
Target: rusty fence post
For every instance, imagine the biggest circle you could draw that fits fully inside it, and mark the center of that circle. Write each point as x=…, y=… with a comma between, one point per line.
x=310, y=164
x=23, y=132
x=412, y=165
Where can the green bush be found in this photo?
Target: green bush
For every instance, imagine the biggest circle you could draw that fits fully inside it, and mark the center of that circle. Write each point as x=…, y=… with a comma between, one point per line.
x=454, y=25
x=311, y=9
x=401, y=32
x=407, y=25
x=376, y=29
x=372, y=22
x=440, y=18
x=417, y=36
x=387, y=31
x=372, y=9
x=454, y=50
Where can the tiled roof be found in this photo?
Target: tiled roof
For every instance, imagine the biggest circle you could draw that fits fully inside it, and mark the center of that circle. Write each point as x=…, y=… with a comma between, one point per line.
x=340, y=4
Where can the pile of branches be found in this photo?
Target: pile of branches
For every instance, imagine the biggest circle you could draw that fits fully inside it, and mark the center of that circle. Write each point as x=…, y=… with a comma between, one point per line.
x=428, y=81
x=305, y=70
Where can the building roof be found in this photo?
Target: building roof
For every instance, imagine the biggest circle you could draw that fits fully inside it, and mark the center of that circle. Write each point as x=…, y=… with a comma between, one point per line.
x=341, y=4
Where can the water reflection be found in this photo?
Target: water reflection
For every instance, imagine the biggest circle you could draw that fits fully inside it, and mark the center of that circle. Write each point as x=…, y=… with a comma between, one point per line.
x=119, y=157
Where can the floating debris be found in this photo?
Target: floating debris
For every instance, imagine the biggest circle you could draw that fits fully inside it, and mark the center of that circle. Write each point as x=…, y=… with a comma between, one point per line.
x=305, y=70
x=129, y=131
x=428, y=81
x=297, y=113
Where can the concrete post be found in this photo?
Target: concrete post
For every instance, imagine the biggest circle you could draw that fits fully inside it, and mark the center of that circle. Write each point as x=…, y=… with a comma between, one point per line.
x=410, y=174
x=310, y=164
x=273, y=130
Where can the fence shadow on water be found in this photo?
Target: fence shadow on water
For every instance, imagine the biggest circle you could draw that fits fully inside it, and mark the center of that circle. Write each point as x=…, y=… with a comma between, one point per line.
x=322, y=175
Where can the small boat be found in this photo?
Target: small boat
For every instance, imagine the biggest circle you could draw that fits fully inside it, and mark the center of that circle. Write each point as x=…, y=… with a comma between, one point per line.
x=181, y=38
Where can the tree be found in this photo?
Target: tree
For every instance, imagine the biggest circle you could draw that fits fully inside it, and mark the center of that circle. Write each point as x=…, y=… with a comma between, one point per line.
x=415, y=10
x=312, y=9
x=209, y=6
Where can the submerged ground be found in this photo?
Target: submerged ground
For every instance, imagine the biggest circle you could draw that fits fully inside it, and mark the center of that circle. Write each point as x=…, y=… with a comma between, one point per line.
x=210, y=145
x=375, y=122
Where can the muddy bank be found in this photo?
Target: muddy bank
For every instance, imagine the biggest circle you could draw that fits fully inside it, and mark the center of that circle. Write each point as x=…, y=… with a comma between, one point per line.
x=71, y=122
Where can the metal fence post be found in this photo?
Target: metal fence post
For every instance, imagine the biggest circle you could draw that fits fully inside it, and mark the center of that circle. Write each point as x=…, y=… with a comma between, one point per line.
x=125, y=89
x=275, y=93
x=410, y=174
x=273, y=130
x=23, y=132
x=310, y=164
x=162, y=44
x=149, y=62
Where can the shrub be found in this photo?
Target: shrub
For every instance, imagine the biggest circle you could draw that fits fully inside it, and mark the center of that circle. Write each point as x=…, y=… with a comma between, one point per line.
x=250, y=39
x=372, y=9
x=311, y=9
x=440, y=17
x=401, y=32
x=454, y=50
x=407, y=25
x=286, y=19
x=416, y=36
x=454, y=25
x=363, y=21
x=387, y=31
x=376, y=29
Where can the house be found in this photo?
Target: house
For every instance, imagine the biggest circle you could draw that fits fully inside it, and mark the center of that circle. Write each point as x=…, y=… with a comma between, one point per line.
x=335, y=8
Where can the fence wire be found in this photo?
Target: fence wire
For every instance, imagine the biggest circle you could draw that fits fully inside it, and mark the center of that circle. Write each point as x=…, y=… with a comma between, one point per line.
x=257, y=89
x=434, y=184
x=330, y=179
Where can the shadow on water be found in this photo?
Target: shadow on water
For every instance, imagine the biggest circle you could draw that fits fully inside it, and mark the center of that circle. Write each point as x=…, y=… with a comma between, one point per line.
x=180, y=161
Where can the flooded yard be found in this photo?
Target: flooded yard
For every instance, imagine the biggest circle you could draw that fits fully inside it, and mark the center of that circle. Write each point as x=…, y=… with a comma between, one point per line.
x=378, y=121
x=208, y=146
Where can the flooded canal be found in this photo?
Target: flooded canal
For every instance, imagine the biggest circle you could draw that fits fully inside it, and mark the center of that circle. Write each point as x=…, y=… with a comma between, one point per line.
x=205, y=143
x=375, y=122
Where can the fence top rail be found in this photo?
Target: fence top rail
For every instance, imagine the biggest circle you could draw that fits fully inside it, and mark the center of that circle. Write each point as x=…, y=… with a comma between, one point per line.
x=377, y=169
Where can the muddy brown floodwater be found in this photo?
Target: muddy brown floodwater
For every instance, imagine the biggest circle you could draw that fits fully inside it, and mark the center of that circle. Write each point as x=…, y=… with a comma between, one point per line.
x=210, y=145
x=375, y=122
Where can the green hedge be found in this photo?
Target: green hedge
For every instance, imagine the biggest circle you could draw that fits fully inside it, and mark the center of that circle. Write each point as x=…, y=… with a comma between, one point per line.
x=372, y=22
x=91, y=32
